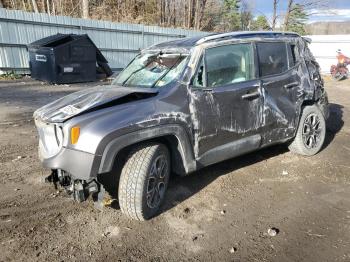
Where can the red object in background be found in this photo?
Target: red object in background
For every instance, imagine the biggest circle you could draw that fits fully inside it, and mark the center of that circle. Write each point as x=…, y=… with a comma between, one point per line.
x=340, y=71
x=342, y=59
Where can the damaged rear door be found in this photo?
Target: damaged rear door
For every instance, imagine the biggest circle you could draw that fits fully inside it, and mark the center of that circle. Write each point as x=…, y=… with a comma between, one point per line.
x=282, y=89
x=226, y=96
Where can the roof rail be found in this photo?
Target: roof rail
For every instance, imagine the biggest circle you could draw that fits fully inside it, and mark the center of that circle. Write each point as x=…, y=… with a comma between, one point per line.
x=215, y=36
x=243, y=33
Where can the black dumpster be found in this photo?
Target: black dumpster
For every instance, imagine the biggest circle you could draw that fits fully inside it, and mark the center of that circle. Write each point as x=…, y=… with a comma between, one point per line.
x=67, y=58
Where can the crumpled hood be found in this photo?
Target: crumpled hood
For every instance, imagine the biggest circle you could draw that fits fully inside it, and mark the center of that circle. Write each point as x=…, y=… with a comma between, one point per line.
x=87, y=99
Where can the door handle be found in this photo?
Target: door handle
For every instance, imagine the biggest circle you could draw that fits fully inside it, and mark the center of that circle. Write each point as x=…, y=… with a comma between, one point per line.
x=251, y=95
x=291, y=85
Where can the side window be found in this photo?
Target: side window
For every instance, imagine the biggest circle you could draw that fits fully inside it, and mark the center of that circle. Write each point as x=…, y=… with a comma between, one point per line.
x=272, y=58
x=228, y=64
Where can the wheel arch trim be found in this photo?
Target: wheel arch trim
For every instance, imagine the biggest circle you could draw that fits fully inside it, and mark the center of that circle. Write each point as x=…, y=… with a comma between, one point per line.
x=117, y=144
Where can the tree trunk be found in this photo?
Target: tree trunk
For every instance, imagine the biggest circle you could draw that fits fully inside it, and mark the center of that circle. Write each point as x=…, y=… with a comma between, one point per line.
x=162, y=12
x=48, y=6
x=174, y=12
x=196, y=11
x=201, y=4
x=35, y=6
x=24, y=5
x=85, y=7
x=274, y=17
x=53, y=7
x=185, y=15
x=286, y=18
x=191, y=13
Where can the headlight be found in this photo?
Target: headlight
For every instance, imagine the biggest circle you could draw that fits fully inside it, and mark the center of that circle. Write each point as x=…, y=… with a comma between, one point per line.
x=50, y=138
x=59, y=134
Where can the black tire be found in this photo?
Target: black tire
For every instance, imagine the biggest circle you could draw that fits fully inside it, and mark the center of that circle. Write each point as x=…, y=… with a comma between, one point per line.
x=311, y=132
x=142, y=173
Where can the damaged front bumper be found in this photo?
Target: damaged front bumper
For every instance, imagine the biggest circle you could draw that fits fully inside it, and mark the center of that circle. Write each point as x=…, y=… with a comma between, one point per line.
x=79, y=189
x=76, y=172
x=55, y=153
x=81, y=165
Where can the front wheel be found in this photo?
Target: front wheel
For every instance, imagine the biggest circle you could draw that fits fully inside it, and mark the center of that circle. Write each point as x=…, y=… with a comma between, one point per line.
x=143, y=181
x=311, y=132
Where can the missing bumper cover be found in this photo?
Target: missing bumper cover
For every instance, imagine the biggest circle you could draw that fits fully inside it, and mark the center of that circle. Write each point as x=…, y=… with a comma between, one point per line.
x=80, y=190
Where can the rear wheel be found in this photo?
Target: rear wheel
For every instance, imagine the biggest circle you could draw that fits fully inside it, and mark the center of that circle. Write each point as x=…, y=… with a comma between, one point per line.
x=311, y=132
x=144, y=180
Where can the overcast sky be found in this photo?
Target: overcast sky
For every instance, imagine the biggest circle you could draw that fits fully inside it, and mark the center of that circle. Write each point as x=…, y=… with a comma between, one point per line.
x=334, y=10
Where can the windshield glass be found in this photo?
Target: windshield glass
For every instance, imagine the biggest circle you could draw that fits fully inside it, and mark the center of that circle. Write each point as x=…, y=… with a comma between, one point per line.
x=152, y=70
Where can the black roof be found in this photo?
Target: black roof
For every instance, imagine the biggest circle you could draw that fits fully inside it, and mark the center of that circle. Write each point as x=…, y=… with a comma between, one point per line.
x=188, y=43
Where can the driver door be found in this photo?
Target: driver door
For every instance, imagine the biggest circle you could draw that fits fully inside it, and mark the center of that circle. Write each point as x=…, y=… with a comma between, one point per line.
x=226, y=103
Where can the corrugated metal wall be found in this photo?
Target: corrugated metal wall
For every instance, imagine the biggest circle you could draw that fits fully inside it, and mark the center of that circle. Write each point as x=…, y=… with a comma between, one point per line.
x=118, y=42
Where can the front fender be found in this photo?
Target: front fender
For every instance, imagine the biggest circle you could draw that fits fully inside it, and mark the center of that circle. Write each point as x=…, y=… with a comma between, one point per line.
x=114, y=145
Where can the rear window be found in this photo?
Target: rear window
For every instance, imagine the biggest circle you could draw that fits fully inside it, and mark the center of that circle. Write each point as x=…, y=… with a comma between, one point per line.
x=272, y=58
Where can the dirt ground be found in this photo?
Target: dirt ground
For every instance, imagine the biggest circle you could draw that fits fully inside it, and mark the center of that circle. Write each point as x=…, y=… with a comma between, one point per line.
x=221, y=213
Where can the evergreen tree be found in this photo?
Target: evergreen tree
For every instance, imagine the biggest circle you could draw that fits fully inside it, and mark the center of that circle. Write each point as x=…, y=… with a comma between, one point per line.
x=297, y=19
x=260, y=23
x=231, y=15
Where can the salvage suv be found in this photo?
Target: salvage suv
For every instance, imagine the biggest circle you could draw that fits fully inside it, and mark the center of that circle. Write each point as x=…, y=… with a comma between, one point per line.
x=180, y=106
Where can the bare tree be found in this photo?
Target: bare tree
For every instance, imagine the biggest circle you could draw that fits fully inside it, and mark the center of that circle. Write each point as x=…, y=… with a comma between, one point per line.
x=184, y=14
x=274, y=16
x=288, y=11
x=48, y=6
x=308, y=5
x=85, y=7
x=35, y=6
x=191, y=13
x=208, y=15
x=246, y=14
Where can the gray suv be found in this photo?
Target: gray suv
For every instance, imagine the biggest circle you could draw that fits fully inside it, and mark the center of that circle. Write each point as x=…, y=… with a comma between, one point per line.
x=180, y=106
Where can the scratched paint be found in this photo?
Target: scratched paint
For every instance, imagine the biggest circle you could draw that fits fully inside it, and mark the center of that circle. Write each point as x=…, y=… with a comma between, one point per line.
x=209, y=119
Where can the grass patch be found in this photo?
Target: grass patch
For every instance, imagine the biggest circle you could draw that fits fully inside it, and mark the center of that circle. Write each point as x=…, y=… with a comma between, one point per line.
x=10, y=76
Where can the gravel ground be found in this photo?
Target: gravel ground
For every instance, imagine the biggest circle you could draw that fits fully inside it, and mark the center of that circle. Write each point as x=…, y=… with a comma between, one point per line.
x=221, y=213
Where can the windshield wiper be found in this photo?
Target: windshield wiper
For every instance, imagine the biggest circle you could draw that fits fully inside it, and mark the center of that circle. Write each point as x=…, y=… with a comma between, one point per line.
x=164, y=74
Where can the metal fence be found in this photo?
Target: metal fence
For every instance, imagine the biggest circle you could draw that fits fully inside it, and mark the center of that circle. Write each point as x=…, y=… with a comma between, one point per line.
x=118, y=42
